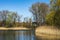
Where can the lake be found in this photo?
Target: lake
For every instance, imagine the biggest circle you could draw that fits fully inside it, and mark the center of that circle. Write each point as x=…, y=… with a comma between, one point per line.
x=17, y=35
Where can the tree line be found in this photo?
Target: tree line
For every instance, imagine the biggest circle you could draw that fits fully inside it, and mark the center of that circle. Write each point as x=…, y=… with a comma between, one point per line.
x=43, y=14
x=13, y=19
x=8, y=18
x=46, y=14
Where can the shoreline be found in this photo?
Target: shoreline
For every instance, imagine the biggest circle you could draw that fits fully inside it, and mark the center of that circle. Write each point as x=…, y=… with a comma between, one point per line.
x=15, y=28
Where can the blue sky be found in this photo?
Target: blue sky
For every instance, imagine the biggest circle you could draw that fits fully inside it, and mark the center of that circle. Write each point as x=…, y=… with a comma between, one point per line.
x=19, y=6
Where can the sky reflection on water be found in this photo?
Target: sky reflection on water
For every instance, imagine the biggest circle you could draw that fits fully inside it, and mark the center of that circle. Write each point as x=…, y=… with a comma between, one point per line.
x=17, y=35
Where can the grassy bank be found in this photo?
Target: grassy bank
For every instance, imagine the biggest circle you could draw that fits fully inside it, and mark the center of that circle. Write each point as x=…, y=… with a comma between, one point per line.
x=48, y=32
x=15, y=28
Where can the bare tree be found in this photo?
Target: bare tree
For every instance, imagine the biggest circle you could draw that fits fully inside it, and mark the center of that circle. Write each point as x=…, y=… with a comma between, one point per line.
x=8, y=17
x=3, y=16
x=39, y=11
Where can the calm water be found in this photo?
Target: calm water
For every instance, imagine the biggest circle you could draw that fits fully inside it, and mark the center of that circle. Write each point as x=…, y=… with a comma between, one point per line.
x=20, y=35
x=17, y=35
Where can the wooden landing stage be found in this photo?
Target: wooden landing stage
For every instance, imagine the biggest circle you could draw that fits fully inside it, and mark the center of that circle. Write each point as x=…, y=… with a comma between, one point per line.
x=15, y=28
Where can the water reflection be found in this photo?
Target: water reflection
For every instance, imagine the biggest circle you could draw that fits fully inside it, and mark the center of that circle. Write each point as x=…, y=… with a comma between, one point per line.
x=17, y=35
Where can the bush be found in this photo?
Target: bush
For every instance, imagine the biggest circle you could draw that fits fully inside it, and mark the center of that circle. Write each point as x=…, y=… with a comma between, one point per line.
x=57, y=18
x=53, y=18
x=49, y=18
